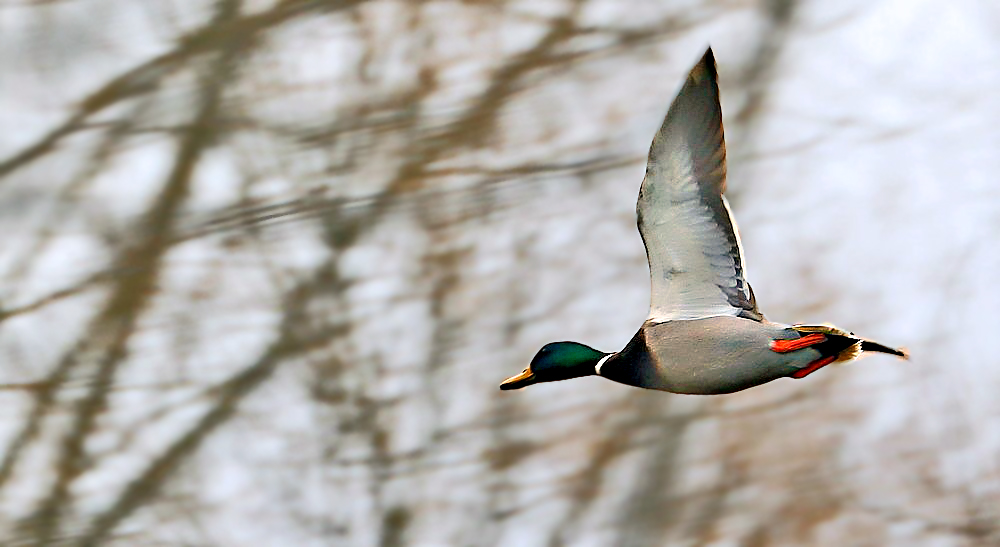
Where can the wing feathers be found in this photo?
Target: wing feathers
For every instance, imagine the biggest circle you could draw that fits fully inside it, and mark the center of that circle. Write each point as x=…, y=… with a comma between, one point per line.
x=692, y=243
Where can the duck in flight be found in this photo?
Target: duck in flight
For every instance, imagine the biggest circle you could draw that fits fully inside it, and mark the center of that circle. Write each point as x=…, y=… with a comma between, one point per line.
x=704, y=334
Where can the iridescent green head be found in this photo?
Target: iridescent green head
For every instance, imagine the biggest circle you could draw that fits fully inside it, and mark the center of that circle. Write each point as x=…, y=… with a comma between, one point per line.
x=557, y=361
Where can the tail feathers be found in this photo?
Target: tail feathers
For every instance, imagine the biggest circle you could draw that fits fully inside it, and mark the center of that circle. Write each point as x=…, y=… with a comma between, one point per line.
x=868, y=345
x=845, y=346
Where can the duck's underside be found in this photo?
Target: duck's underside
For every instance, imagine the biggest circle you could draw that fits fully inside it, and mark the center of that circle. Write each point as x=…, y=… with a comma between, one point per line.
x=725, y=354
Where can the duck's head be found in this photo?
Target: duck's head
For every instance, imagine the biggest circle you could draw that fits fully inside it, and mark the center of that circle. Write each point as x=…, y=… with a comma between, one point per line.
x=557, y=361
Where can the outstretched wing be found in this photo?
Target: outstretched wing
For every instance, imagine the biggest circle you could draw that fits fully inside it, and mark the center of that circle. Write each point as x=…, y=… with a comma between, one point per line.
x=692, y=243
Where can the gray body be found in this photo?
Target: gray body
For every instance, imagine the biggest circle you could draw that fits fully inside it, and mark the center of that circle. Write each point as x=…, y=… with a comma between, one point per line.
x=708, y=356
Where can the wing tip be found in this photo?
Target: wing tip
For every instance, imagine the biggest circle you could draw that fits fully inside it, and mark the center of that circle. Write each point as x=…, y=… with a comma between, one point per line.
x=706, y=68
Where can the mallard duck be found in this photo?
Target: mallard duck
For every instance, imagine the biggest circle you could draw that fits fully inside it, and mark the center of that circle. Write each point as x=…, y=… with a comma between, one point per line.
x=704, y=333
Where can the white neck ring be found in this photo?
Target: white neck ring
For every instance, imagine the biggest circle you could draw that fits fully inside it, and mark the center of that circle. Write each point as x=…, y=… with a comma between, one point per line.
x=597, y=368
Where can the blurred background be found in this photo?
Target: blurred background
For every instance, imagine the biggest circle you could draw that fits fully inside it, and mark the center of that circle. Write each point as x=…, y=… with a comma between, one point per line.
x=264, y=264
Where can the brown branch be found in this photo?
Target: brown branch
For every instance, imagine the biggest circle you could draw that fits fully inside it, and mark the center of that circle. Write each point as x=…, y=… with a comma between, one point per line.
x=114, y=326
x=291, y=342
x=146, y=77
